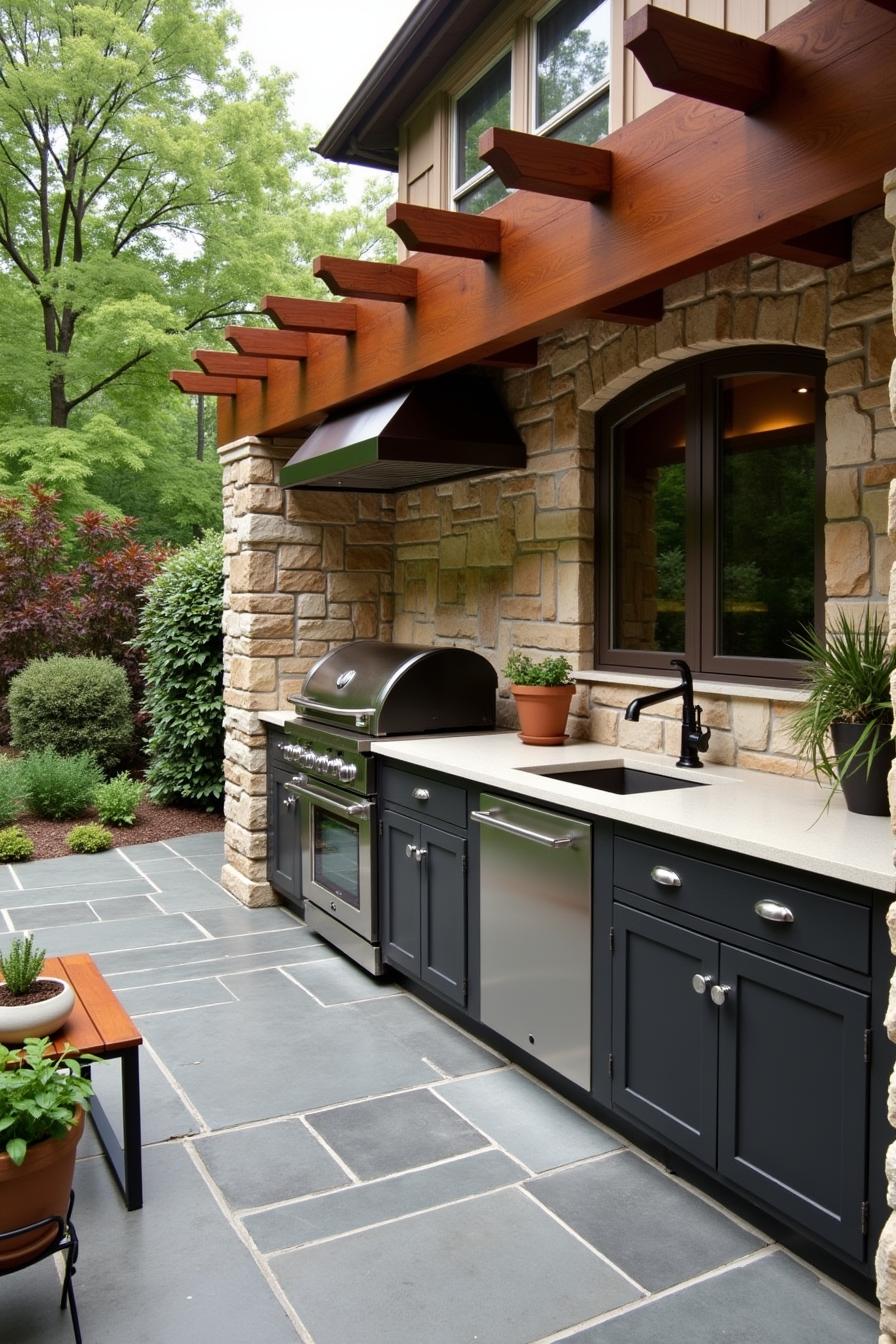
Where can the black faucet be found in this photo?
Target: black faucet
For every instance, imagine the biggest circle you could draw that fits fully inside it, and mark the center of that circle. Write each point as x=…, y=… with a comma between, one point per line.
x=694, y=737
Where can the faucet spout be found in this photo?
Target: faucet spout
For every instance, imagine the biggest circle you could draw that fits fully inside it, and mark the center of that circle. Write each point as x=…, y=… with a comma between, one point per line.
x=694, y=737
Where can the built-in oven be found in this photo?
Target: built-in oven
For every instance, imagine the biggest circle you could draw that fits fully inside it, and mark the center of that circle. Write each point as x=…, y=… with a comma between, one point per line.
x=338, y=845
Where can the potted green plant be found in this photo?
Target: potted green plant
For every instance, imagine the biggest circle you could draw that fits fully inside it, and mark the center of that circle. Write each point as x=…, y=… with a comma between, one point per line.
x=42, y=1106
x=542, y=692
x=845, y=728
x=30, y=1004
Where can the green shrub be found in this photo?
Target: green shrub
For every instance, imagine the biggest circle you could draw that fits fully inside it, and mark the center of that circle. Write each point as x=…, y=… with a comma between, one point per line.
x=180, y=631
x=21, y=964
x=117, y=801
x=88, y=839
x=57, y=786
x=72, y=705
x=15, y=847
x=10, y=790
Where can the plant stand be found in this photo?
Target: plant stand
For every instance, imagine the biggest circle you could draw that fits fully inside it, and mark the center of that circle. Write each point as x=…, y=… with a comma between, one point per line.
x=66, y=1241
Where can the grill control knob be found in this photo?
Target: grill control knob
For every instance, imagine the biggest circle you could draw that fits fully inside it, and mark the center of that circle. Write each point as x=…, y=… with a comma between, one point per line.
x=292, y=752
x=333, y=766
x=318, y=762
x=348, y=772
x=307, y=757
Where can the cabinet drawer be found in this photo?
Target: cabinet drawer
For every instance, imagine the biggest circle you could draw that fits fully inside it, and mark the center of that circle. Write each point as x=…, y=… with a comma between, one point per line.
x=424, y=797
x=821, y=926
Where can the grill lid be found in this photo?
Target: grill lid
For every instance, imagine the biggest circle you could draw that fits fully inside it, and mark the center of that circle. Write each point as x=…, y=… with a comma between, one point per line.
x=388, y=689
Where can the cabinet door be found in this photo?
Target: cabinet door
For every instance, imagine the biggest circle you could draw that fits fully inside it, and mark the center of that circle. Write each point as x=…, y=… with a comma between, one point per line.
x=400, y=893
x=665, y=1035
x=443, y=900
x=284, y=853
x=793, y=1094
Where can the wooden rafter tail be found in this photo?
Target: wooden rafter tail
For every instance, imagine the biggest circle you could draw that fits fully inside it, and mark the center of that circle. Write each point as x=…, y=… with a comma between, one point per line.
x=199, y=384
x=550, y=167
x=446, y=233
x=267, y=342
x=218, y=362
x=825, y=247
x=330, y=319
x=696, y=59
x=641, y=312
x=522, y=356
x=378, y=280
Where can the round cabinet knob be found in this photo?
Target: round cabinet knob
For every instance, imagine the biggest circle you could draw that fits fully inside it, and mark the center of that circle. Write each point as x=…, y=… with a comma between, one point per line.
x=701, y=983
x=719, y=993
x=348, y=772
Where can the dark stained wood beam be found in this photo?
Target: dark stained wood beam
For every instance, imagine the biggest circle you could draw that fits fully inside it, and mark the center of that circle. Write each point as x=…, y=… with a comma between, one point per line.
x=522, y=356
x=889, y=5
x=640, y=312
x=188, y=380
x=696, y=59
x=367, y=279
x=694, y=186
x=551, y=167
x=267, y=341
x=230, y=366
x=828, y=246
x=334, y=319
x=445, y=233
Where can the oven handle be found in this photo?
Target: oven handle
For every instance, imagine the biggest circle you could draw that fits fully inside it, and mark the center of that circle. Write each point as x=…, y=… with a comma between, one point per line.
x=356, y=714
x=297, y=785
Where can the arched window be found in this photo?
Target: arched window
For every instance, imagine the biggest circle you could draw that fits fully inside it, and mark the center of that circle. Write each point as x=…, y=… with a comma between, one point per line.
x=710, y=515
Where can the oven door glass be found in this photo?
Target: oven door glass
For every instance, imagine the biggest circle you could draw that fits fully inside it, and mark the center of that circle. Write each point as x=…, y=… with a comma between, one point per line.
x=336, y=856
x=338, y=853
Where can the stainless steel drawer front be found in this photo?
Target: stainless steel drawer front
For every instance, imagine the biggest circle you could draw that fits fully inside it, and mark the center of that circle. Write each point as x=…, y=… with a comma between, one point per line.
x=535, y=932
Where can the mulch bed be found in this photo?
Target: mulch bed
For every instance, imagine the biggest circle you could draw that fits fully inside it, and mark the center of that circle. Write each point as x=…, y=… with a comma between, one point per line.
x=153, y=823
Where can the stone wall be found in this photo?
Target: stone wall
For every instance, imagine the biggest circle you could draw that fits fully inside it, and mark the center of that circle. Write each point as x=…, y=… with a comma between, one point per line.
x=303, y=571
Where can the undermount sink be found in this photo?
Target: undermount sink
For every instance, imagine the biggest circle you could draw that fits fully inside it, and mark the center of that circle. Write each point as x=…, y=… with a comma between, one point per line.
x=621, y=779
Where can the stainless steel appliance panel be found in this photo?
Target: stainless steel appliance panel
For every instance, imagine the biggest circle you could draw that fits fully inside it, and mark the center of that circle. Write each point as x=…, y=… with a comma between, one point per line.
x=338, y=853
x=535, y=932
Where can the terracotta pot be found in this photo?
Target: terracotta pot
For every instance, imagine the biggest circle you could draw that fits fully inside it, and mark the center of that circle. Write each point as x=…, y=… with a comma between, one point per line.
x=37, y=1019
x=543, y=712
x=39, y=1188
x=865, y=790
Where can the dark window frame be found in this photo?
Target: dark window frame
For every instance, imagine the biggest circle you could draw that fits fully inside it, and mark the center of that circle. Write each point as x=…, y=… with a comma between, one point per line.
x=699, y=377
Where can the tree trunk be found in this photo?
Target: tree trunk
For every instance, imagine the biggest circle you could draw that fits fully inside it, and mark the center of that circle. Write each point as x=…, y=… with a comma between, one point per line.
x=58, y=404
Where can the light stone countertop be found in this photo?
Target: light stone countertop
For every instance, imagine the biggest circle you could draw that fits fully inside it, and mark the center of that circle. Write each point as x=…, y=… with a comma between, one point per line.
x=277, y=717
x=742, y=811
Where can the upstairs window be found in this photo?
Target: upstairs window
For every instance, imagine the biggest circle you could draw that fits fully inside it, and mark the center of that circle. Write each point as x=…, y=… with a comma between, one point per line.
x=711, y=513
x=572, y=71
x=484, y=104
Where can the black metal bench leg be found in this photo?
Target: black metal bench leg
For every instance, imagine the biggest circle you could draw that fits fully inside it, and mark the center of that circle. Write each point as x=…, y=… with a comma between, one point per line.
x=130, y=1107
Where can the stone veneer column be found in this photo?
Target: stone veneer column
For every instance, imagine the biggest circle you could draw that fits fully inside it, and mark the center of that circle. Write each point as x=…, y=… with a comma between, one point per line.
x=303, y=571
x=886, y=1253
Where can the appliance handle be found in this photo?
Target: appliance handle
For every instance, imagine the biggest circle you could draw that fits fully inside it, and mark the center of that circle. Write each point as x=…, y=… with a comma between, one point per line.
x=358, y=714
x=298, y=786
x=552, y=841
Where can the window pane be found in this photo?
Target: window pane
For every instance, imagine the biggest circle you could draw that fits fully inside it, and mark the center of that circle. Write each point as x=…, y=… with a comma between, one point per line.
x=766, y=433
x=572, y=54
x=587, y=125
x=649, y=528
x=482, y=196
x=486, y=104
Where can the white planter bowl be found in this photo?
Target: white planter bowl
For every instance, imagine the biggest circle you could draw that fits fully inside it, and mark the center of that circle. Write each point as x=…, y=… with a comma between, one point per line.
x=37, y=1019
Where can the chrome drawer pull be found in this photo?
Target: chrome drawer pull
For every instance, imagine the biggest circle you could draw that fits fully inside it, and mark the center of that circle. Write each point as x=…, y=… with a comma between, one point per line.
x=552, y=841
x=415, y=852
x=701, y=983
x=665, y=877
x=719, y=993
x=774, y=912
x=421, y=795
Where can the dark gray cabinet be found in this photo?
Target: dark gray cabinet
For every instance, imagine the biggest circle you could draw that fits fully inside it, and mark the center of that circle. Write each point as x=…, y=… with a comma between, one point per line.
x=284, y=847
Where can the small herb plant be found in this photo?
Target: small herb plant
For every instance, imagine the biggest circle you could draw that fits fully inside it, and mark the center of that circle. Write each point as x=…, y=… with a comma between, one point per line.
x=58, y=786
x=41, y=1097
x=21, y=964
x=15, y=846
x=522, y=671
x=89, y=839
x=117, y=801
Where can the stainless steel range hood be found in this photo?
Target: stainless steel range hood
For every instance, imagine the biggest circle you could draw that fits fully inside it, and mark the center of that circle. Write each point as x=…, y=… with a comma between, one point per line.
x=455, y=425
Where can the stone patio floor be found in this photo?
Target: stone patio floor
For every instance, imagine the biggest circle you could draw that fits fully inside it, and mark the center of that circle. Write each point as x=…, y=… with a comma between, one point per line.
x=328, y=1160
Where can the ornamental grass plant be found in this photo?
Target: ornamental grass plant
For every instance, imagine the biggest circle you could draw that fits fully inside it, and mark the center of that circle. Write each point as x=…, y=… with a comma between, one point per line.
x=21, y=964
x=59, y=787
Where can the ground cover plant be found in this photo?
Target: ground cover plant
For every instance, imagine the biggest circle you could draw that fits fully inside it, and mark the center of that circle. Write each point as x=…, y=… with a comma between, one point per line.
x=89, y=839
x=57, y=786
x=15, y=845
x=117, y=800
x=72, y=704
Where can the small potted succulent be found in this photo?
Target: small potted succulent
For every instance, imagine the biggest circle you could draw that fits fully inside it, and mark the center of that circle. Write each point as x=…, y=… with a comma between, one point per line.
x=42, y=1106
x=542, y=692
x=30, y=1004
x=845, y=728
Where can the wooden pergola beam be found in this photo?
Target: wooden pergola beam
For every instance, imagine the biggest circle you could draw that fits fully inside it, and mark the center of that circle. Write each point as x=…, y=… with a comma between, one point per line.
x=445, y=233
x=333, y=319
x=551, y=167
x=367, y=279
x=828, y=246
x=641, y=312
x=889, y=5
x=230, y=366
x=198, y=384
x=693, y=187
x=522, y=356
x=268, y=342
x=699, y=60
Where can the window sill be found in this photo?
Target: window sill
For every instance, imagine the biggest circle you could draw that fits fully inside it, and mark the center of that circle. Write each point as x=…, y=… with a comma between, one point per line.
x=735, y=690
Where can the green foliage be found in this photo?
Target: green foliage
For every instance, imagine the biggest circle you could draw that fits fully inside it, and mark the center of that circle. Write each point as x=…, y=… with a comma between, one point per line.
x=88, y=839
x=848, y=676
x=15, y=847
x=180, y=631
x=10, y=790
x=21, y=964
x=522, y=671
x=58, y=786
x=117, y=801
x=73, y=705
x=40, y=1099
